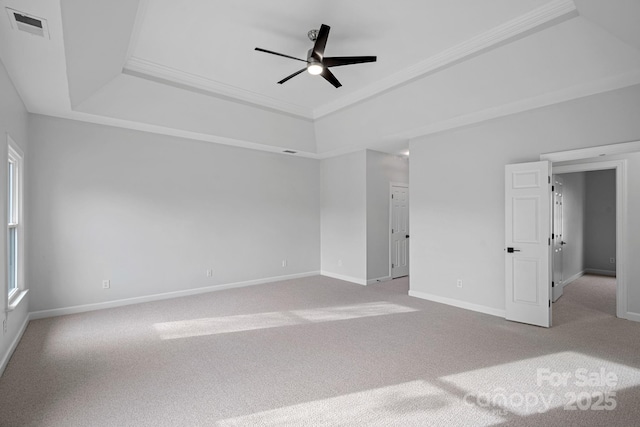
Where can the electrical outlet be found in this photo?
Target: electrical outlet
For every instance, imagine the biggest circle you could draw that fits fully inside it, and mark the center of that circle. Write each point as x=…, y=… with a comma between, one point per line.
x=284, y=262
x=459, y=283
x=106, y=284
x=612, y=260
x=339, y=263
x=210, y=272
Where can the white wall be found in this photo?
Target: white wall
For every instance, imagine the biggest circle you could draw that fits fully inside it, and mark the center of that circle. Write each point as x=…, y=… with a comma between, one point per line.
x=457, y=190
x=13, y=121
x=573, y=233
x=152, y=213
x=344, y=225
x=382, y=170
x=600, y=221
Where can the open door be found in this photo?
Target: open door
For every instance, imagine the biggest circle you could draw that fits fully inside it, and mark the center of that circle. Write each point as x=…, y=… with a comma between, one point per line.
x=528, y=243
x=557, y=240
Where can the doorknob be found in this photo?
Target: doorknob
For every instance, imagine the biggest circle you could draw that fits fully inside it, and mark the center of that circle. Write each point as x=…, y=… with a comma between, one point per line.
x=407, y=236
x=563, y=243
x=512, y=250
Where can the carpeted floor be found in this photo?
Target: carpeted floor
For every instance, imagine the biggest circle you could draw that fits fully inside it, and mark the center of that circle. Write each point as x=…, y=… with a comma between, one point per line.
x=319, y=351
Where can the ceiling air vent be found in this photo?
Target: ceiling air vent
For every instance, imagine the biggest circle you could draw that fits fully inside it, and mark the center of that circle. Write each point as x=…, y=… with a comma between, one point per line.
x=28, y=23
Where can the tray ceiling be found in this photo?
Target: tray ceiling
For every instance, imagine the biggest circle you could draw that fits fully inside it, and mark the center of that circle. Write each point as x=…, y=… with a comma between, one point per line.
x=189, y=68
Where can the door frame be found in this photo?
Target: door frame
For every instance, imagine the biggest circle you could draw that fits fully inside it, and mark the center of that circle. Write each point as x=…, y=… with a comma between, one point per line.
x=391, y=185
x=620, y=167
x=585, y=161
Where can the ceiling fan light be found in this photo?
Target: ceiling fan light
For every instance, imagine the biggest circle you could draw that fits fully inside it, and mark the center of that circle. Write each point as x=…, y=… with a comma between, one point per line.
x=315, y=69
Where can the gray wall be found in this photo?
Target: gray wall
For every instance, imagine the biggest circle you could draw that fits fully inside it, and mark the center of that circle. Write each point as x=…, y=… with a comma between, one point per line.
x=382, y=170
x=600, y=221
x=590, y=222
x=343, y=213
x=574, y=219
x=152, y=213
x=457, y=191
x=13, y=121
x=355, y=213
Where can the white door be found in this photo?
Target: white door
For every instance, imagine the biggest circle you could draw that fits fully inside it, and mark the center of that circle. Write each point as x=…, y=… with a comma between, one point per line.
x=399, y=230
x=556, y=237
x=528, y=243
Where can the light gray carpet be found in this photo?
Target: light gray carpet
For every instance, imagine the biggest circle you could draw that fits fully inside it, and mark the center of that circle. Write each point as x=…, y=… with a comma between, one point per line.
x=319, y=351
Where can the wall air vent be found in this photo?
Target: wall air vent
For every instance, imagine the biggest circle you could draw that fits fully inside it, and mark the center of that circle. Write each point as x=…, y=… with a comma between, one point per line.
x=289, y=151
x=28, y=23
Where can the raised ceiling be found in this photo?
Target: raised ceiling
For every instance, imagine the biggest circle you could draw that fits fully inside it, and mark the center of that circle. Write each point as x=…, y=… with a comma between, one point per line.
x=213, y=42
x=189, y=68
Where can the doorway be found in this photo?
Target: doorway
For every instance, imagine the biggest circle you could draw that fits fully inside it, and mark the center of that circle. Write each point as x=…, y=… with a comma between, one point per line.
x=617, y=168
x=528, y=217
x=584, y=232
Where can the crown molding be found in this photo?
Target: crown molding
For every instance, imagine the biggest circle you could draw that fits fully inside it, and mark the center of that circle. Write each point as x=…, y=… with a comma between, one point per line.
x=603, y=85
x=179, y=133
x=510, y=30
x=575, y=92
x=146, y=69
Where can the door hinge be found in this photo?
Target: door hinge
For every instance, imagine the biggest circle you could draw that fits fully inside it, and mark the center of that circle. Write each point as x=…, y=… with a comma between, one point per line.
x=553, y=188
x=549, y=241
x=549, y=178
x=553, y=284
x=549, y=303
x=393, y=265
x=392, y=196
x=553, y=236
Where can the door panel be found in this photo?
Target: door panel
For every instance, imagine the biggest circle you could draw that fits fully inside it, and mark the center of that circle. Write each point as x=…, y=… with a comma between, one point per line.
x=527, y=241
x=525, y=220
x=525, y=280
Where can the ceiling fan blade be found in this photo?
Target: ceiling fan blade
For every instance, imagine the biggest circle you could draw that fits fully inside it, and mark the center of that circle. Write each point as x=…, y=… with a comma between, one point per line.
x=291, y=76
x=337, y=61
x=279, y=54
x=321, y=42
x=328, y=75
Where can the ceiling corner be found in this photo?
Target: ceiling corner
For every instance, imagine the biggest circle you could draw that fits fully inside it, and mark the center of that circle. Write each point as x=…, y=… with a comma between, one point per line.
x=95, y=51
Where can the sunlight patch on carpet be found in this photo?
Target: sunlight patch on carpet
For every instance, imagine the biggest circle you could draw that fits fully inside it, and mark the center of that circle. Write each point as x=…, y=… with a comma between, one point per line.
x=250, y=322
x=409, y=403
x=568, y=381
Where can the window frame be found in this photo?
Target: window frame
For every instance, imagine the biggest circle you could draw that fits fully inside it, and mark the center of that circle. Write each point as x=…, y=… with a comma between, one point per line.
x=15, y=220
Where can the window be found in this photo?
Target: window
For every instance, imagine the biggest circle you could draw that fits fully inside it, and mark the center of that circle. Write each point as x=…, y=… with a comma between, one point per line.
x=15, y=229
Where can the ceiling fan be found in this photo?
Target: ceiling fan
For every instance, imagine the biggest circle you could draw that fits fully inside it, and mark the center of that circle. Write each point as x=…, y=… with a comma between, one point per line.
x=316, y=62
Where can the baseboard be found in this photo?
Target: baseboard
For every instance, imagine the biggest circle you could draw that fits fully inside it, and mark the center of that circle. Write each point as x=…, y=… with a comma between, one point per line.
x=611, y=273
x=573, y=278
x=457, y=303
x=345, y=278
x=379, y=280
x=157, y=297
x=14, y=344
x=633, y=316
